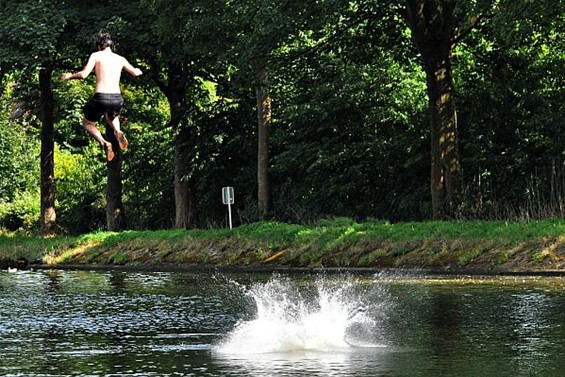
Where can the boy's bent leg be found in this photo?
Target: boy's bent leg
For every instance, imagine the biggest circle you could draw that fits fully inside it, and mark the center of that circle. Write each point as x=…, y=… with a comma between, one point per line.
x=95, y=133
x=91, y=128
x=115, y=124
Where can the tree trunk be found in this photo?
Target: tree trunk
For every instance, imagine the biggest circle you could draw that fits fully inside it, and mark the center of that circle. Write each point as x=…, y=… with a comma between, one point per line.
x=445, y=166
x=115, y=215
x=433, y=31
x=174, y=89
x=263, y=130
x=48, y=224
x=184, y=191
x=184, y=187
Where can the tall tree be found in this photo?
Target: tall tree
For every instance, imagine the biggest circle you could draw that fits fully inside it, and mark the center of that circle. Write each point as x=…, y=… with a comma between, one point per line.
x=174, y=50
x=433, y=26
x=263, y=28
x=48, y=224
x=437, y=27
x=31, y=36
x=175, y=89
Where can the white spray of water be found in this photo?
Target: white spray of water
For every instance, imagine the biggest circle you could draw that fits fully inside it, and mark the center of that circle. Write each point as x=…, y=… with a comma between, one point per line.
x=326, y=316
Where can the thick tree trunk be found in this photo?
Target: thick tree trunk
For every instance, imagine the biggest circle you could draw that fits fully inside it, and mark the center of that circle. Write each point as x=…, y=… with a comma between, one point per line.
x=433, y=31
x=184, y=187
x=263, y=130
x=445, y=166
x=48, y=224
x=174, y=89
x=115, y=215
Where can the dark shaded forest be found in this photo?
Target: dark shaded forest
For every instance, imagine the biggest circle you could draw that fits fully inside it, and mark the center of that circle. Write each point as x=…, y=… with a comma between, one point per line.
x=391, y=110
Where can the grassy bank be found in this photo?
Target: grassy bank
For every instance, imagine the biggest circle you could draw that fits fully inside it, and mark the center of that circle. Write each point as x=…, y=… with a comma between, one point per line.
x=487, y=246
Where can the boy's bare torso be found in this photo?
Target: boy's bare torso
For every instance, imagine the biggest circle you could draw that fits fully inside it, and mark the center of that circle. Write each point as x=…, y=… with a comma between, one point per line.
x=108, y=69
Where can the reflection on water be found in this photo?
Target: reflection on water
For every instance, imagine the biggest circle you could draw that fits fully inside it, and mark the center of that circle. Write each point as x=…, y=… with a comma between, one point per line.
x=77, y=323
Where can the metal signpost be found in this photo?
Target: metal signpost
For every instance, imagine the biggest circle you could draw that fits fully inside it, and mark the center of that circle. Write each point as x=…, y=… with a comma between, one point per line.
x=228, y=198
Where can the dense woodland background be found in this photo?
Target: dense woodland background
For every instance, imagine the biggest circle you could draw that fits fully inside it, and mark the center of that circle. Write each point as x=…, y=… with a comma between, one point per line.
x=386, y=110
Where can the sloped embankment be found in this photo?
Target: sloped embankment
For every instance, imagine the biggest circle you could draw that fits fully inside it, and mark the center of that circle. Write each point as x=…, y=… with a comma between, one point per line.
x=490, y=247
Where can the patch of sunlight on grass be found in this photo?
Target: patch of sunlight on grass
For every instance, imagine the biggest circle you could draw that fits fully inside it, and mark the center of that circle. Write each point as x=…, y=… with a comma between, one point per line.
x=54, y=257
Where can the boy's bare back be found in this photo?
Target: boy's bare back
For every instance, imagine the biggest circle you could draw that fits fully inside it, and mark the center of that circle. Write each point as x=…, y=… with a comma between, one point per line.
x=108, y=68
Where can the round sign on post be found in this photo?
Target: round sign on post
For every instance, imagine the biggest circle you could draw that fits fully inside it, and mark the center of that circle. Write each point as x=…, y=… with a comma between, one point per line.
x=228, y=199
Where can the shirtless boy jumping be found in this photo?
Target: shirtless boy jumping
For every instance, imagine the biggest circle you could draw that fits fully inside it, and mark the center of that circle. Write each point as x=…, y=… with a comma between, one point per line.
x=107, y=99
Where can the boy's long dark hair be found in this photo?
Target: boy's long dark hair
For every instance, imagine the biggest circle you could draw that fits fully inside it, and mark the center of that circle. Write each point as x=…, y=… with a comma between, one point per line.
x=103, y=40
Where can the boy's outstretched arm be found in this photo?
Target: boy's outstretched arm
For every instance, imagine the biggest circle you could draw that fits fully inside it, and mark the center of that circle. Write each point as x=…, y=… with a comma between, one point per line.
x=131, y=69
x=81, y=74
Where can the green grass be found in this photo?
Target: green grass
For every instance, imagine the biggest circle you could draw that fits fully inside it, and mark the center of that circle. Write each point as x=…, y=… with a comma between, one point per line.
x=320, y=238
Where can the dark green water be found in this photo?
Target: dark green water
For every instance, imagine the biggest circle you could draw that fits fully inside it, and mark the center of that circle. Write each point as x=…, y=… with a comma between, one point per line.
x=67, y=323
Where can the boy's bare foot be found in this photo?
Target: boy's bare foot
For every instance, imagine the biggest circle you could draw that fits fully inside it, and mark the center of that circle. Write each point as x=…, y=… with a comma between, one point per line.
x=109, y=151
x=122, y=141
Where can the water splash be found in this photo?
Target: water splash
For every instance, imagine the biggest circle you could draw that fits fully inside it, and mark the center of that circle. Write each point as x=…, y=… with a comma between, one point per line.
x=291, y=316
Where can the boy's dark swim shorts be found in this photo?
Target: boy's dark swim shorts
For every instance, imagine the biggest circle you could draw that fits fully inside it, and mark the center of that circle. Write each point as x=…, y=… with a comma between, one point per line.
x=109, y=104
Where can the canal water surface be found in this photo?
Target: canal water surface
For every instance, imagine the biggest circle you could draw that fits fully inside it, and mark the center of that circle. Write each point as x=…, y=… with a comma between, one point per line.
x=113, y=323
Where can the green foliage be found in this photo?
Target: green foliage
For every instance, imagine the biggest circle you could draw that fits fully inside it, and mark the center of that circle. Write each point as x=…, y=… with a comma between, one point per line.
x=510, y=106
x=147, y=164
x=80, y=189
x=348, y=130
x=30, y=32
x=70, y=98
x=19, y=171
x=18, y=166
x=349, y=133
x=21, y=213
